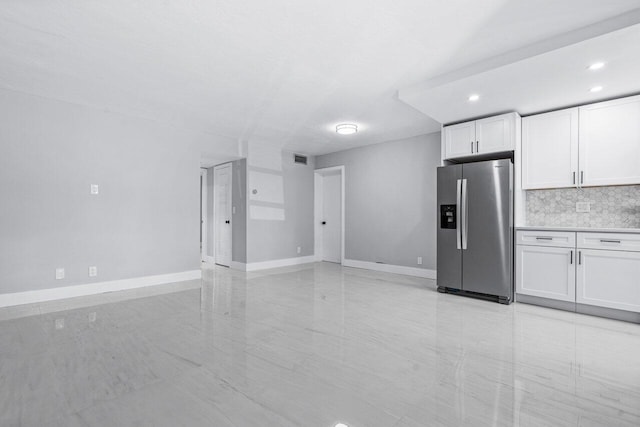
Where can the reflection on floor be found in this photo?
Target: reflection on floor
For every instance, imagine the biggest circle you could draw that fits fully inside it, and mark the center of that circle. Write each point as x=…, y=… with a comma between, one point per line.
x=312, y=345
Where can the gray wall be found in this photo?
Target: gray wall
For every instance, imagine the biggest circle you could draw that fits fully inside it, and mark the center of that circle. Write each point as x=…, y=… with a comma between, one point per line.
x=390, y=200
x=272, y=239
x=239, y=202
x=145, y=221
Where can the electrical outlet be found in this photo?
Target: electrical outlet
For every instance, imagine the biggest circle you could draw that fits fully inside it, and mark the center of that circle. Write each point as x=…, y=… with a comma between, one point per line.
x=93, y=271
x=583, y=207
x=59, y=273
x=419, y=260
x=94, y=189
x=59, y=323
x=299, y=249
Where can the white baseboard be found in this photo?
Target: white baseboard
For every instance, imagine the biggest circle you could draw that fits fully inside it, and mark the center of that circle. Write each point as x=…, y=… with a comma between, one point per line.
x=390, y=268
x=238, y=266
x=264, y=265
x=28, y=297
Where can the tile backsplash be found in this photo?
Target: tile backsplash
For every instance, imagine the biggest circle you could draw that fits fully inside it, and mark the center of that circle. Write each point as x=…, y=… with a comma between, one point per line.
x=611, y=207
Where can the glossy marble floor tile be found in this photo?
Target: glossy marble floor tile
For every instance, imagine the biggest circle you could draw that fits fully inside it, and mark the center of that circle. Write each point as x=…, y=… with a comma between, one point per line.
x=312, y=345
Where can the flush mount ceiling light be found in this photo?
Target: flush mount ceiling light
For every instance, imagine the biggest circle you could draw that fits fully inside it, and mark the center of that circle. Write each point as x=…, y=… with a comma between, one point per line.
x=595, y=89
x=346, y=128
x=474, y=97
x=341, y=425
x=596, y=66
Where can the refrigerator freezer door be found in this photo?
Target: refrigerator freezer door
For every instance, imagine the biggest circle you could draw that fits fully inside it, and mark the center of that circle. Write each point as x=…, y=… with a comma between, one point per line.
x=488, y=257
x=449, y=261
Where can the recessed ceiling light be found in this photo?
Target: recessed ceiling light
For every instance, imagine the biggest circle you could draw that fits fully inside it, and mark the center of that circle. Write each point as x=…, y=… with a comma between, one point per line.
x=474, y=97
x=341, y=425
x=595, y=89
x=346, y=128
x=596, y=66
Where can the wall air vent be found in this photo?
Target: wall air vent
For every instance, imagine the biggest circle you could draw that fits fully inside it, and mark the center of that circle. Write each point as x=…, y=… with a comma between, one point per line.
x=299, y=158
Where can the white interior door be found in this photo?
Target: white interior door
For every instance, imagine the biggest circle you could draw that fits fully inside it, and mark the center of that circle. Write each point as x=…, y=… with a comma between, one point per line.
x=222, y=214
x=203, y=214
x=332, y=218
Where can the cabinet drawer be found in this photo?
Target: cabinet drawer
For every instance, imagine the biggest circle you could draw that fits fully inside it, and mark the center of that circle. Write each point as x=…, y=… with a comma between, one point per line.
x=609, y=241
x=563, y=239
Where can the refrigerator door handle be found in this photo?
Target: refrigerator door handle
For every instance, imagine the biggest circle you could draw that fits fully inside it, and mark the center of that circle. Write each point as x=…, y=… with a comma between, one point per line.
x=458, y=213
x=465, y=214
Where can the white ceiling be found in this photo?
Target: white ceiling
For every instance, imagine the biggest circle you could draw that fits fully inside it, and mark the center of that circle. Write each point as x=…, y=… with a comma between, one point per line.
x=552, y=80
x=280, y=72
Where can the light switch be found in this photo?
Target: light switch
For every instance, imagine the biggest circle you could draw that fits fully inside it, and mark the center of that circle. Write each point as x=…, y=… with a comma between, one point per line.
x=93, y=271
x=94, y=188
x=233, y=210
x=419, y=260
x=59, y=273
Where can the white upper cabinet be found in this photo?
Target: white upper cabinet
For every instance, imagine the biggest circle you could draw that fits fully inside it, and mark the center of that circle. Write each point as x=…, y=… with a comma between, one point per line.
x=495, y=134
x=484, y=136
x=599, y=142
x=459, y=139
x=610, y=142
x=550, y=150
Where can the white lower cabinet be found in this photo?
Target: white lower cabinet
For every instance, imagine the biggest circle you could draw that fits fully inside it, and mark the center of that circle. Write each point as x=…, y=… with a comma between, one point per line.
x=597, y=269
x=547, y=272
x=609, y=278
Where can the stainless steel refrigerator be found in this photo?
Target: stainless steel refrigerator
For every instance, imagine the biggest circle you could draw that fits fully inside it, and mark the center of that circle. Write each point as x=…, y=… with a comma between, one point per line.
x=475, y=229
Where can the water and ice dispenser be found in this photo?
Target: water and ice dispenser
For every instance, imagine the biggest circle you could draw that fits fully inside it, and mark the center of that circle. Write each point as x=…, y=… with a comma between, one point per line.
x=448, y=216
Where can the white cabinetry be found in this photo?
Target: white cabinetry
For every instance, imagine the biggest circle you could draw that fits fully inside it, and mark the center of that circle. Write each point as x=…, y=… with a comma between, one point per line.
x=491, y=135
x=543, y=269
x=610, y=142
x=496, y=134
x=608, y=271
x=550, y=150
x=597, y=269
x=593, y=145
x=459, y=139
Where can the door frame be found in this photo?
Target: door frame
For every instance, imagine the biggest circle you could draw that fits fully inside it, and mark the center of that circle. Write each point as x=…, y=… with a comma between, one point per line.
x=204, y=226
x=215, y=210
x=317, y=209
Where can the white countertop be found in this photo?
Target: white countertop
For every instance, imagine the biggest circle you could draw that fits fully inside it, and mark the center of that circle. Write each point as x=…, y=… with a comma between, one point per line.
x=587, y=229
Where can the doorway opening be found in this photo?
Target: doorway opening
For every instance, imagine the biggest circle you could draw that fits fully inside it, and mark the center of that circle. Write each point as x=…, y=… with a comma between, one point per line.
x=203, y=215
x=222, y=213
x=329, y=201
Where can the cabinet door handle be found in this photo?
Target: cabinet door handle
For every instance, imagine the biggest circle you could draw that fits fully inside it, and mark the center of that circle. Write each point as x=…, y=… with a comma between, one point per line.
x=581, y=177
x=471, y=147
x=579, y=257
x=610, y=241
x=574, y=178
x=571, y=262
x=544, y=238
x=477, y=147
